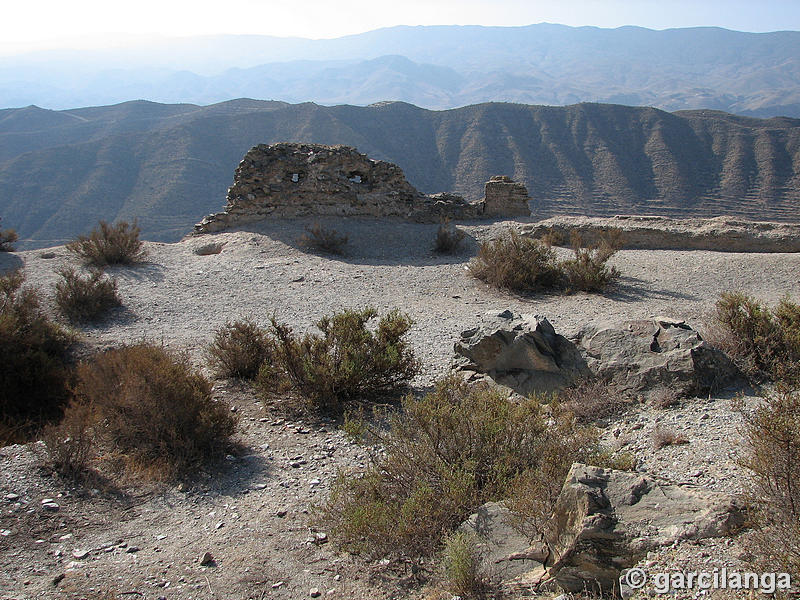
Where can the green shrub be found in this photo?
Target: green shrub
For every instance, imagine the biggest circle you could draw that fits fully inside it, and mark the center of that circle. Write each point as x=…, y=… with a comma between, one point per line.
x=7, y=239
x=86, y=299
x=588, y=271
x=347, y=362
x=462, y=566
x=321, y=239
x=33, y=359
x=772, y=455
x=763, y=342
x=239, y=349
x=516, y=263
x=444, y=455
x=110, y=245
x=157, y=412
x=448, y=239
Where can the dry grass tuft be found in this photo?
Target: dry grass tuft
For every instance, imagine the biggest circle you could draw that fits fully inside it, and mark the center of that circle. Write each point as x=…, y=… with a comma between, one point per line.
x=321, y=239
x=448, y=239
x=85, y=299
x=110, y=245
x=666, y=436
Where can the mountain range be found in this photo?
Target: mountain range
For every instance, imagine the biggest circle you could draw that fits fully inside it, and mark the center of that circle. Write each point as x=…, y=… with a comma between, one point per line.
x=437, y=67
x=169, y=165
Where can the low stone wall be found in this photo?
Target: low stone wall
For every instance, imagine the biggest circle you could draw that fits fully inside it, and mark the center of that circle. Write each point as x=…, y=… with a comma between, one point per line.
x=663, y=233
x=297, y=180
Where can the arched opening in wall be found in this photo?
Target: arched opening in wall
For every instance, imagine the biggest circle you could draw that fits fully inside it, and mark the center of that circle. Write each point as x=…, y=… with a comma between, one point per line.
x=356, y=177
x=295, y=176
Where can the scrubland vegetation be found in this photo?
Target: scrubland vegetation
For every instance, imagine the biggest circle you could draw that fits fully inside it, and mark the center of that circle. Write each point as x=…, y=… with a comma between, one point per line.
x=322, y=239
x=85, y=299
x=110, y=245
x=7, y=239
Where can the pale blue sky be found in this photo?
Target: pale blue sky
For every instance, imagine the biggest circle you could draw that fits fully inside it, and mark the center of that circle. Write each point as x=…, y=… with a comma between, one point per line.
x=48, y=23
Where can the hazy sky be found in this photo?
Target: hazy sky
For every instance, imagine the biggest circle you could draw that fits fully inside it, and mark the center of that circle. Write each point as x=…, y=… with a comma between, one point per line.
x=47, y=23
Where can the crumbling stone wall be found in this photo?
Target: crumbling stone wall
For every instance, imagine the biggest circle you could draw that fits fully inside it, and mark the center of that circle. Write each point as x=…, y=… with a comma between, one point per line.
x=297, y=180
x=506, y=198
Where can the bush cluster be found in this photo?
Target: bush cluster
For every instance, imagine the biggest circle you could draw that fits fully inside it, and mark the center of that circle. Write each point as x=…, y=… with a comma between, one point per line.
x=524, y=264
x=157, y=413
x=33, y=360
x=772, y=455
x=443, y=456
x=7, y=239
x=239, y=349
x=448, y=239
x=322, y=239
x=85, y=299
x=764, y=342
x=110, y=245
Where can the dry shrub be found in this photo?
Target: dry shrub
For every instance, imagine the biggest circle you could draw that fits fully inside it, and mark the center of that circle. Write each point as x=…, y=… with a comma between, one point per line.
x=523, y=264
x=70, y=443
x=448, y=239
x=110, y=245
x=239, y=349
x=663, y=398
x=33, y=359
x=516, y=263
x=592, y=400
x=444, y=455
x=764, y=342
x=7, y=239
x=86, y=299
x=462, y=565
x=588, y=271
x=347, y=362
x=209, y=249
x=157, y=412
x=666, y=436
x=321, y=239
x=772, y=455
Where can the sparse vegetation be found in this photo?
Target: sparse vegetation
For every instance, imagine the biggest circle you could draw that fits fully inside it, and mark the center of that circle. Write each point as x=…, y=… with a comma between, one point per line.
x=322, y=239
x=445, y=455
x=85, y=299
x=7, y=239
x=462, y=567
x=523, y=264
x=158, y=416
x=448, y=239
x=347, y=362
x=764, y=342
x=772, y=455
x=70, y=443
x=33, y=360
x=666, y=436
x=239, y=349
x=591, y=400
x=110, y=245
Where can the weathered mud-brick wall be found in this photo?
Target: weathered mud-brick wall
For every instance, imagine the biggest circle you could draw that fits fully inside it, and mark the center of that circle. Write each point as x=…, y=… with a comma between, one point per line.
x=296, y=180
x=506, y=198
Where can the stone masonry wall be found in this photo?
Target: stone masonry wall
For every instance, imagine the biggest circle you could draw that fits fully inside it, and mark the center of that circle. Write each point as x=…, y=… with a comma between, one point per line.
x=296, y=180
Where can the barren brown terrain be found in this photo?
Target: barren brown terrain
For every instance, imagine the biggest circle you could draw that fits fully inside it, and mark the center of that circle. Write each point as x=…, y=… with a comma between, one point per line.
x=252, y=512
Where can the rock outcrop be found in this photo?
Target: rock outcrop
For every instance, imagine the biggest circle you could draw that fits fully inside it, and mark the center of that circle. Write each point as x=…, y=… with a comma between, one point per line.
x=724, y=234
x=605, y=521
x=523, y=353
x=650, y=355
x=299, y=180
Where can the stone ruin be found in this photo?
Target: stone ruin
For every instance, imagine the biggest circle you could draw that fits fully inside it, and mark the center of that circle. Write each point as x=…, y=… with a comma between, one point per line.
x=289, y=180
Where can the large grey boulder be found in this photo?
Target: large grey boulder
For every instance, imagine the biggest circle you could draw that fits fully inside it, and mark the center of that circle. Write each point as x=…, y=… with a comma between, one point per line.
x=522, y=352
x=647, y=355
x=606, y=520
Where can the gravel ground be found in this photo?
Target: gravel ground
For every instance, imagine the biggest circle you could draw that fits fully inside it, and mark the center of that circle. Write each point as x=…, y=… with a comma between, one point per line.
x=180, y=298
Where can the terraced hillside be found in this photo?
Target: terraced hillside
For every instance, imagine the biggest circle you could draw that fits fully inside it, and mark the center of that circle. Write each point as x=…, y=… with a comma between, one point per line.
x=169, y=165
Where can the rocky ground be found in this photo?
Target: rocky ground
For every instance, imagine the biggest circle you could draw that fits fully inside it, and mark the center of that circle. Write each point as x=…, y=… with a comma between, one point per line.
x=251, y=513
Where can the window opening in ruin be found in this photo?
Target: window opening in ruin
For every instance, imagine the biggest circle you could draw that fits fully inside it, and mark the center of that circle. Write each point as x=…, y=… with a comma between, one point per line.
x=355, y=178
x=295, y=177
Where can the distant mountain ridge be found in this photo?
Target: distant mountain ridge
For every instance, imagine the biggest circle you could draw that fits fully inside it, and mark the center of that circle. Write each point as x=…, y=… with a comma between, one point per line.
x=169, y=165
x=437, y=67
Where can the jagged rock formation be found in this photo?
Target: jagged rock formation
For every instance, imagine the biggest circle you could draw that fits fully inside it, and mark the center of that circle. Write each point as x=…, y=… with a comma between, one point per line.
x=663, y=233
x=298, y=180
x=650, y=356
x=605, y=521
x=523, y=353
